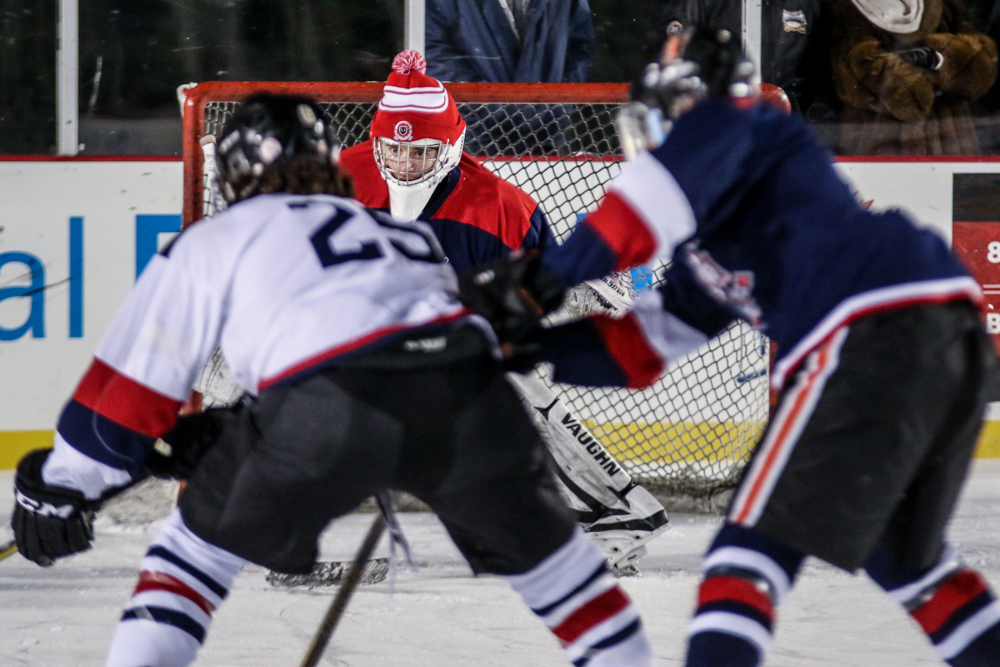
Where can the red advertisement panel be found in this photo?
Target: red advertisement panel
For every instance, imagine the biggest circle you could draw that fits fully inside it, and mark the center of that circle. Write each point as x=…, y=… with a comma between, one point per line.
x=976, y=238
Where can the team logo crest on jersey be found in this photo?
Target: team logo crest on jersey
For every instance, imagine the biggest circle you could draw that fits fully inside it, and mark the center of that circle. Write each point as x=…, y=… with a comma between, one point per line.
x=732, y=289
x=403, y=131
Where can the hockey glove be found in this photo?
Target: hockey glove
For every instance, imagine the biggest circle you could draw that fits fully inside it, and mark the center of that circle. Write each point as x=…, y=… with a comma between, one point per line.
x=181, y=448
x=49, y=522
x=695, y=65
x=513, y=294
x=523, y=356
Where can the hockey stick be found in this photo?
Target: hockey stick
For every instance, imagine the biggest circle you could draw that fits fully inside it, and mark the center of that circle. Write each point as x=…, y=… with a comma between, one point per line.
x=339, y=604
x=8, y=549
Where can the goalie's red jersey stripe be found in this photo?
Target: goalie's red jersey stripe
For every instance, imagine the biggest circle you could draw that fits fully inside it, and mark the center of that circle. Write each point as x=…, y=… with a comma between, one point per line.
x=723, y=589
x=624, y=231
x=354, y=345
x=126, y=402
x=625, y=342
x=593, y=613
x=159, y=581
x=957, y=592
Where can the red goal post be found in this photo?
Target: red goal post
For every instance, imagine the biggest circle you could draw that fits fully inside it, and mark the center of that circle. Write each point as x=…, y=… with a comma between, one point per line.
x=688, y=435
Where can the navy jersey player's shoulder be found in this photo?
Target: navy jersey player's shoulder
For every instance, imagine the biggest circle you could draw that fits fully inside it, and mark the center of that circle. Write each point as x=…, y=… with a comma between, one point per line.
x=488, y=202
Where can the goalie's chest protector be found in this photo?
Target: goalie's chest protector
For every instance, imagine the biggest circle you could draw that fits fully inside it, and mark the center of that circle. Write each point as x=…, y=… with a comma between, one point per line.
x=292, y=282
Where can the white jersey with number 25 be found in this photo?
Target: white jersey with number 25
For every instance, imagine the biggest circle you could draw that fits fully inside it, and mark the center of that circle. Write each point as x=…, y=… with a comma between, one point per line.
x=281, y=283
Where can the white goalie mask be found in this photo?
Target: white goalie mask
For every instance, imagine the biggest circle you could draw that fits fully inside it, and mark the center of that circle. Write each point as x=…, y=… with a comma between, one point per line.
x=413, y=169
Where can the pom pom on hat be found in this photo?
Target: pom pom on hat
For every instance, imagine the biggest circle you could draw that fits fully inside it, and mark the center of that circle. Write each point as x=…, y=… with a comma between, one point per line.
x=409, y=61
x=416, y=106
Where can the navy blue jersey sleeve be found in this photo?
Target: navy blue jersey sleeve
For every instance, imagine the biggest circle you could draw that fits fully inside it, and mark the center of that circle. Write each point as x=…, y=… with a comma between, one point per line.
x=601, y=352
x=539, y=234
x=687, y=300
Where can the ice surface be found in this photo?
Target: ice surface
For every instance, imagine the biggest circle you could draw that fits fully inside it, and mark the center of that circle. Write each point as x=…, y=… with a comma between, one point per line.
x=441, y=616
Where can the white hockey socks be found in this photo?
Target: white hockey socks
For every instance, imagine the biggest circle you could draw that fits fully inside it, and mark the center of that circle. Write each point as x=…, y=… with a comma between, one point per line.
x=585, y=607
x=182, y=580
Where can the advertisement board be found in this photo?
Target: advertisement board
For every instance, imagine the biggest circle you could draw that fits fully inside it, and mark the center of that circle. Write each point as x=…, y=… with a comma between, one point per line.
x=74, y=234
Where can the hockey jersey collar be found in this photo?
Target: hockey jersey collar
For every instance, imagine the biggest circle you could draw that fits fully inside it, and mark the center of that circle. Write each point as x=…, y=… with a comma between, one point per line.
x=441, y=193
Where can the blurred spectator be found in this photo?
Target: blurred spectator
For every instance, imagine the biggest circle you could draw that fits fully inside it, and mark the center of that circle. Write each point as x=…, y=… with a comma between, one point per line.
x=509, y=40
x=522, y=41
x=907, y=73
x=789, y=43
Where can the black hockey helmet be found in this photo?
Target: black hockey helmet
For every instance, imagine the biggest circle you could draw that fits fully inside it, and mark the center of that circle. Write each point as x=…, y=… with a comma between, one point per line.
x=269, y=129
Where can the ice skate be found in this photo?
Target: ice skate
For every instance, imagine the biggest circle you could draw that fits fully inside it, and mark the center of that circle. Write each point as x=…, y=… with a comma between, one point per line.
x=624, y=530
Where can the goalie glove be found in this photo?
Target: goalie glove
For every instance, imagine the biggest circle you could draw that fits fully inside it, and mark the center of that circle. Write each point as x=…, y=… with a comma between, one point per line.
x=49, y=522
x=614, y=295
x=513, y=294
x=695, y=65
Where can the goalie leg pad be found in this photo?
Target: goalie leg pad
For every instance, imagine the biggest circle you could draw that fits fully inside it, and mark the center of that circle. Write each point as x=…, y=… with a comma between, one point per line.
x=620, y=516
x=624, y=531
x=577, y=453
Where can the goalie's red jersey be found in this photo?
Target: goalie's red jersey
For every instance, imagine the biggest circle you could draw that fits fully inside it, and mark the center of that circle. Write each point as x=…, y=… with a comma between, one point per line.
x=476, y=215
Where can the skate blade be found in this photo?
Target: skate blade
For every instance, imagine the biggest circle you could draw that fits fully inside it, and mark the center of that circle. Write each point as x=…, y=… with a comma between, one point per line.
x=330, y=574
x=626, y=570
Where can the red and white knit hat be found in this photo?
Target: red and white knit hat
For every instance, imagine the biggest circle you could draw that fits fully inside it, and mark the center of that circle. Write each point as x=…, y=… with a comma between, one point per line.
x=416, y=106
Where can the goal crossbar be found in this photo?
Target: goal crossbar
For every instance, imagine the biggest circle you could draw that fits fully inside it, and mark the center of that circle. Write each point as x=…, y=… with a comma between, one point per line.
x=198, y=97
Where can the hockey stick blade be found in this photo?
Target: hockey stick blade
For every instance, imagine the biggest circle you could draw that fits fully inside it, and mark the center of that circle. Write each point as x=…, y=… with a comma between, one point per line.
x=331, y=574
x=8, y=549
x=343, y=596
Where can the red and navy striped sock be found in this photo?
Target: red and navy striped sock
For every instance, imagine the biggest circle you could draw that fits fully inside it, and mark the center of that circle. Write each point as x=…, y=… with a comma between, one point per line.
x=585, y=608
x=745, y=576
x=182, y=580
x=952, y=603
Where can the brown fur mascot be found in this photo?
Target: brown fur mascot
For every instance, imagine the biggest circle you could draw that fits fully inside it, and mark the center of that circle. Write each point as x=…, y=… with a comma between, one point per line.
x=907, y=70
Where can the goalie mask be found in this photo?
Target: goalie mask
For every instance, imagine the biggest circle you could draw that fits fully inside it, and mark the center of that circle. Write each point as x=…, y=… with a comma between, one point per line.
x=270, y=129
x=417, y=135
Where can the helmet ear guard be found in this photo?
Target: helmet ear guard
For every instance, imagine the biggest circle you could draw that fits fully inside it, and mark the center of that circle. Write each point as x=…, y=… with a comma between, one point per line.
x=270, y=129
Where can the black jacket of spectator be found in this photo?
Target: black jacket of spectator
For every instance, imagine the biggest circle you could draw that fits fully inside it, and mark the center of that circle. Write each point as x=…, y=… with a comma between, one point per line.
x=794, y=54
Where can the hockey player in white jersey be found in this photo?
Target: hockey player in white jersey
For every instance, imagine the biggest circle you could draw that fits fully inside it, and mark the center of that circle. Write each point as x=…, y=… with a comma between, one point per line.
x=370, y=374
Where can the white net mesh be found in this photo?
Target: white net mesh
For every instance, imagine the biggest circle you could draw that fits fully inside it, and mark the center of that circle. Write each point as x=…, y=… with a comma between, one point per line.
x=691, y=432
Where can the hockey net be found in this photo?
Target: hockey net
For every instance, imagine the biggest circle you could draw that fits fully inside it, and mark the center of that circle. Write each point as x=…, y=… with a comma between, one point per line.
x=688, y=435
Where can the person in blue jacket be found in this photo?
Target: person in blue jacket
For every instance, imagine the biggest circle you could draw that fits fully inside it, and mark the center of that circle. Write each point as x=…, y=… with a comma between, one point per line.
x=522, y=41
x=516, y=41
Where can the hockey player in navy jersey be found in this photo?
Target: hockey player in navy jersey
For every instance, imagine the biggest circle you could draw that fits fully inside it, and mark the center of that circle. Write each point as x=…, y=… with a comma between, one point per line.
x=371, y=375
x=414, y=167
x=882, y=359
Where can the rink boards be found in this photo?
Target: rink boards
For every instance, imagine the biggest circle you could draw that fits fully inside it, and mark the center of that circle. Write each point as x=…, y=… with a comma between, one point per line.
x=75, y=233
